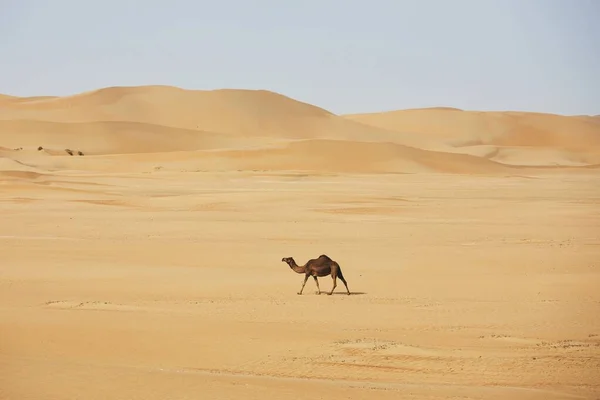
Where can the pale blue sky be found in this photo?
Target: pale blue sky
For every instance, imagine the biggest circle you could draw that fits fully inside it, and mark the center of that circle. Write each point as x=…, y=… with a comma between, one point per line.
x=343, y=55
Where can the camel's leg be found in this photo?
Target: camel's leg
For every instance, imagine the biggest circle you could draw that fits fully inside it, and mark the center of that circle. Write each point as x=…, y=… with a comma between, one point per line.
x=345, y=284
x=334, y=276
x=317, y=282
x=303, y=283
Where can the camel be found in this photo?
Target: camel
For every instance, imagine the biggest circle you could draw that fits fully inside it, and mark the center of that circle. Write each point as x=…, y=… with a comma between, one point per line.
x=316, y=267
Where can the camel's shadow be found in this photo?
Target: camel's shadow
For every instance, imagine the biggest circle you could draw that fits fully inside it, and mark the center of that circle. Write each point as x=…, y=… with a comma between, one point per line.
x=342, y=294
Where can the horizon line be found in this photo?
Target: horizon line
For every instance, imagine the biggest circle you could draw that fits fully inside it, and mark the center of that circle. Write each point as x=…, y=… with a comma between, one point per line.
x=384, y=111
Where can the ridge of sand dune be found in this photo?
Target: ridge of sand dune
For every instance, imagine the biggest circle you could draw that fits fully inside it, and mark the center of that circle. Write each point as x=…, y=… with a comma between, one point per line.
x=114, y=137
x=243, y=112
x=7, y=98
x=33, y=99
x=357, y=157
x=526, y=129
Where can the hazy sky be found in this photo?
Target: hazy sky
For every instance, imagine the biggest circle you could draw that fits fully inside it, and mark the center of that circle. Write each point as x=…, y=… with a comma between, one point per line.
x=343, y=55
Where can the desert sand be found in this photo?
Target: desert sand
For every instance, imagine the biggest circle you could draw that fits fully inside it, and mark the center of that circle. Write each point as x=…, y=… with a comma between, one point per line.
x=145, y=262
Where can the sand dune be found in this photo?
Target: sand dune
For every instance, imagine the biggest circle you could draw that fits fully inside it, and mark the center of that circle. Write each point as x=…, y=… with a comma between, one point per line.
x=503, y=129
x=256, y=129
x=356, y=157
x=242, y=112
x=495, y=128
x=512, y=138
x=113, y=137
x=11, y=100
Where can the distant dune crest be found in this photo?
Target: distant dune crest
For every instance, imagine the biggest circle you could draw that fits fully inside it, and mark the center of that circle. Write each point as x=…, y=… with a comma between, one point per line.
x=145, y=127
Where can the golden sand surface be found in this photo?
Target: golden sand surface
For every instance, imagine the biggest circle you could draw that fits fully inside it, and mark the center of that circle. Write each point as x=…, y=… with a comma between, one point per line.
x=146, y=261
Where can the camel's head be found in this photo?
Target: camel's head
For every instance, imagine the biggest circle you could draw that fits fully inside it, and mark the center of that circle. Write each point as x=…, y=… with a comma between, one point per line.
x=288, y=260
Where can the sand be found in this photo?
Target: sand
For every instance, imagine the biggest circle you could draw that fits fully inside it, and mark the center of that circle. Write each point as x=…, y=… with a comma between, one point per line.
x=149, y=266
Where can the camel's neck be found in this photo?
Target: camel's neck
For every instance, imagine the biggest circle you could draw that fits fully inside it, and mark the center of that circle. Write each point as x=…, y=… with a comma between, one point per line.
x=298, y=269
